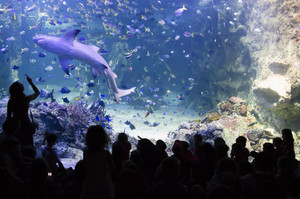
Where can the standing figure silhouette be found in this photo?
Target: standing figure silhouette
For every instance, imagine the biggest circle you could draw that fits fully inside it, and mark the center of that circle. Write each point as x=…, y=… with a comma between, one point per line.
x=18, y=106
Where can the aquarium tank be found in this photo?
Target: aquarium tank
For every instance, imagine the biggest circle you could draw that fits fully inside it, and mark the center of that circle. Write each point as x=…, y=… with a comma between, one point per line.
x=158, y=69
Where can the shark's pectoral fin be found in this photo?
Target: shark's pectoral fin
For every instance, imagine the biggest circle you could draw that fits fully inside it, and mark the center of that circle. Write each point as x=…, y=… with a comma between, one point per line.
x=64, y=63
x=69, y=37
x=115, y=76
x=97, y=70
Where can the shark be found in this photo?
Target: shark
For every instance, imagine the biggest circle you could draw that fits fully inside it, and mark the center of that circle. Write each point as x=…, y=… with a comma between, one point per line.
x=67, y=49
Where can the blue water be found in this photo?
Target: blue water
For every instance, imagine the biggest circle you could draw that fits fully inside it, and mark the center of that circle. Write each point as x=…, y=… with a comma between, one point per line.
x=151, y=45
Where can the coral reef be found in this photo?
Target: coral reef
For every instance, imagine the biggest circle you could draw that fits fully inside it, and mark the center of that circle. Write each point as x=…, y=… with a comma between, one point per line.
x=239, y=120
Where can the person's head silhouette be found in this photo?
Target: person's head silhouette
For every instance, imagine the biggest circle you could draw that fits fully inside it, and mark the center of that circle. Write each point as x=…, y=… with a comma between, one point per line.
x=16, y=90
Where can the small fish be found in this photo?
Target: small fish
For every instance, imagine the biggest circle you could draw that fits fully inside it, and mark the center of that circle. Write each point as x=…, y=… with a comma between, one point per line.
x=172, y=75
x=65, y=99
x=128, y=55
x=65, y=90
x=100, y=42
x=15, y=67
x=177, y=37
x=46, y=94
x=127, y=122
x=252, y=123
x=91, y=84
x=40, y=79
x=147, y=122
x=180, y=97
x=132, y=127
x=79, y=79
x=72, y=67
x=162, y=22
x=155, y=124
x=107, y=117
x=82, y=39
x=48, y=68
x=30, y=9
x=22, y=32
x=24, y=50
x=103, y=51
x=188, y=34
x=180, y=109
x=101, y=103
x=42, y=54
x=147, y=114
x=179, y=11
x=10, y=39
x=4, y=50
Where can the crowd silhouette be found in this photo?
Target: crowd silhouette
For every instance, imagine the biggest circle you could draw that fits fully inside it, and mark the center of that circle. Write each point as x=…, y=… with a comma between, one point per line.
x=196, y=170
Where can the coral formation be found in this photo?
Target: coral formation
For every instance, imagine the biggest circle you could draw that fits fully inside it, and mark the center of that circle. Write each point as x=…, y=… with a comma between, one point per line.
x=229, y=124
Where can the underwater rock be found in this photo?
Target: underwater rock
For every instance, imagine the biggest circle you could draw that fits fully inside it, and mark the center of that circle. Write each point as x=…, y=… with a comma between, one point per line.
x=236, y=100
x=212, y=117
x=184, y=125
x=254, y=135
x=210, y=131
x=266, y=94
x=279, y=68
x=225, y=106
x=242, y=110
x=51, y=121
x=295, y=90
x=63, y=150
x=234, y=105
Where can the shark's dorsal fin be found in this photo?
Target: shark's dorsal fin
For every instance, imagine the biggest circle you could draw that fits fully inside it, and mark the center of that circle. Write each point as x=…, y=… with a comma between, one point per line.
x=64, y=63
x=69, y=37
x=95, y=48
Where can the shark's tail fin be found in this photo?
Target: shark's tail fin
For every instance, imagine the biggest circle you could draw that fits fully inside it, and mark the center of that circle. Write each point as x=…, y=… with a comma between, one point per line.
x=122, y=93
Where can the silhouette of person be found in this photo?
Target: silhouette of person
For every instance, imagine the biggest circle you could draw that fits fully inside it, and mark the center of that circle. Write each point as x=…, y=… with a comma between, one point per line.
x=49, y=154
x=18, y=106
x=120, y=150
x=288, y=143
x=99, y=165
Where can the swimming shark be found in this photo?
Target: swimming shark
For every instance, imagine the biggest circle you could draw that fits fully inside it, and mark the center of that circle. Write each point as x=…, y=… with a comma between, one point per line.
x=66, y=48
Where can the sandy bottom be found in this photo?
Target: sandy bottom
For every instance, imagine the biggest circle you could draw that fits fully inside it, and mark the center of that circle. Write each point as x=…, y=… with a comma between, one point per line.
x=168, y=119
